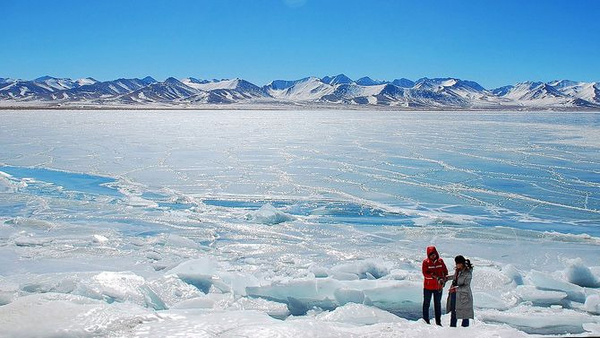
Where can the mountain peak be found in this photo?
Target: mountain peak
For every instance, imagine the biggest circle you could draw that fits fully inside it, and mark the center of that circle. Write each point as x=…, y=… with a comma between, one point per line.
x=194, y=80
x=563, y=83
x=338, y=79
x=149, y=80
x=285, y=84
x=403, y=83
x=530, y=84
x=502, y=91
x=447, y=82
x=367, y=81
x=446, y=92
x=44, y=78
x=173, y=81
x=85, y=81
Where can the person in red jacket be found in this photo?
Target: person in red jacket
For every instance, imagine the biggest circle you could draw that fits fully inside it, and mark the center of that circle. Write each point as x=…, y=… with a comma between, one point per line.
x=435, y=272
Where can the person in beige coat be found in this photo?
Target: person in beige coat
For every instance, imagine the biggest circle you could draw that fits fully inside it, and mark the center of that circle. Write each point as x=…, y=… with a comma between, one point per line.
x=460, y=297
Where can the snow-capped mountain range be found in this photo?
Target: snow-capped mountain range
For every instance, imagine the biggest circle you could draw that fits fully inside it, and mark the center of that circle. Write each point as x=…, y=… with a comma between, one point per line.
x=425, y=93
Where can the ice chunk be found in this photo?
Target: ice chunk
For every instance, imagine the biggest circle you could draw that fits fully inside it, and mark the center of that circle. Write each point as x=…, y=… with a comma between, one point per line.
x=302, y=288
x=540, y=297
x=153, y=255
x=137, y=201
x=579, y=274
x=8, y=291
x=201, y=302
x=592, y=328
x=222, y=301
x=397, y=274
x=200, y=273
x=511, y=272
x=490, y=278
x=300, y=295
x=152, y=299
x=9, y=184
x=59, y=283
x=592, y=304
x=483, y=300
x=32, y=241
x=365, y=269
x=340, y=275
x=119, y=287
x=269, y=215
x=204, y=273
x=545, y=282
x=114, y=286
x=319, y=271
x=344, y=296
x=359, y=314
x=99, y=239
x=273, y=309
x=300, y=307
x=213, y=301
x=180, y=242
x=403, y=298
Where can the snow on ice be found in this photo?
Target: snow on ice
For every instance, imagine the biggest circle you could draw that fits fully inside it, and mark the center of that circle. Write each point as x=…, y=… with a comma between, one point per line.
x=279, y=223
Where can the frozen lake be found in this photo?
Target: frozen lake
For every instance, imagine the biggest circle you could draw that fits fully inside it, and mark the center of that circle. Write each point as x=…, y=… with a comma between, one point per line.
x=284, y=223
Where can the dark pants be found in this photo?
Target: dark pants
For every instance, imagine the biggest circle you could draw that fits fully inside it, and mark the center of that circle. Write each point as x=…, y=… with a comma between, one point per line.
x=437, y=305
x=453, y=320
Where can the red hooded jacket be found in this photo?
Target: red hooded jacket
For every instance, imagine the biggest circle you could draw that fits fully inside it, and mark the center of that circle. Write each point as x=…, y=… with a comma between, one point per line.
x=433, y=269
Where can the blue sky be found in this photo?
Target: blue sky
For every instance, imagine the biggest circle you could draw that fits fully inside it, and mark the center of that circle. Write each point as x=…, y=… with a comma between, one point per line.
x=491, y=42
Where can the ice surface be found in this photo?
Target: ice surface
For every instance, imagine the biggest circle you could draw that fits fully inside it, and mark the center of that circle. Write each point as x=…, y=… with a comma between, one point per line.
x=541, y=320
x=266, y=223
x=54, y=314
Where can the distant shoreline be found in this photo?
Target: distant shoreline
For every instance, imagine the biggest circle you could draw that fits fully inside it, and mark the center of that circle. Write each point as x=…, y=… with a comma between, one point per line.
x=309, y=107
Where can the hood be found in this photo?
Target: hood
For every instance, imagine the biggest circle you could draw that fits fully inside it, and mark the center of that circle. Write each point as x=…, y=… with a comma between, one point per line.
x=432, y=249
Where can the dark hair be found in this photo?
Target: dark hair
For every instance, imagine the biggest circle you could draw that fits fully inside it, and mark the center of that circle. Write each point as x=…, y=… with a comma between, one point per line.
x=460, y=259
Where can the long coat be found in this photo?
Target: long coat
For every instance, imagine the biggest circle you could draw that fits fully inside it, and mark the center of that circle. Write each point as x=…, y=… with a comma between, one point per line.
x=464, y=296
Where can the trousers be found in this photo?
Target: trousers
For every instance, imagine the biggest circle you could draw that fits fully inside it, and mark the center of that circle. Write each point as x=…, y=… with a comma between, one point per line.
x=453, y=319
x=437, y=305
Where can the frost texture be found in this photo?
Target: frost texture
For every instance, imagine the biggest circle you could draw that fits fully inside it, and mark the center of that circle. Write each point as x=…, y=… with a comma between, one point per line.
x=281, y=223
